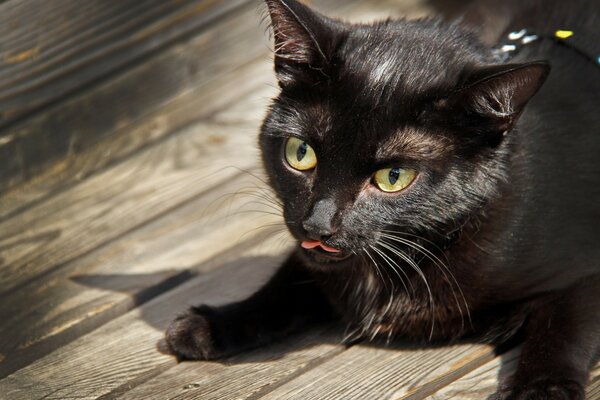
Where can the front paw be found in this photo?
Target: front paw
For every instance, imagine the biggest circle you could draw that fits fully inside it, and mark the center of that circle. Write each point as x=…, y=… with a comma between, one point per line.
x=190, y=336
x=544, y=389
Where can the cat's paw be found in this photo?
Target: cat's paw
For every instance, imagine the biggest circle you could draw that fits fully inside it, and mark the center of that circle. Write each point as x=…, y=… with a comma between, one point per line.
x=544, y=389
x=190, y=337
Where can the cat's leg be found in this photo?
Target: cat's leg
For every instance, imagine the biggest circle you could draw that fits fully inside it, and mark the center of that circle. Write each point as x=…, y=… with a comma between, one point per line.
x=288, y=302
x=562, y=341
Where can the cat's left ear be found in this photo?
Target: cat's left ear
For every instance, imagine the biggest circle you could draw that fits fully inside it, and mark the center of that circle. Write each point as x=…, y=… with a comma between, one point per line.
x=494, y=97
x=303, y=41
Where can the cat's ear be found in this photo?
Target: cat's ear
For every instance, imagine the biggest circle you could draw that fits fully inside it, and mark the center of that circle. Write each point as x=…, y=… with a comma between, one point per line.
x=303, y=39
x=494, y=97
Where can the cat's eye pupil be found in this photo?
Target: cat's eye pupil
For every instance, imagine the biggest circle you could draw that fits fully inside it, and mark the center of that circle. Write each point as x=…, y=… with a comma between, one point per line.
x=302, y=149
x=394, y=175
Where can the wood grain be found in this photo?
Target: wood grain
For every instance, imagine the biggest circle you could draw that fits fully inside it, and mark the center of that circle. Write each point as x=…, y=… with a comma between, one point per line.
x=114, y=279
x=593, y=390
x=369, y=371
x=485, y=380
x=113, y=107
x=125, y=349
x=120, y=199
x=158, y=251
x=73, y=310
x=245, y=376
x=142, y=133
x=49, y=54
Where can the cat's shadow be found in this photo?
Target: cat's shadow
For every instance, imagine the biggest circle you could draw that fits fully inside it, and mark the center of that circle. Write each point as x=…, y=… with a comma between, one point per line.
x=231, y=281
x=172, y=291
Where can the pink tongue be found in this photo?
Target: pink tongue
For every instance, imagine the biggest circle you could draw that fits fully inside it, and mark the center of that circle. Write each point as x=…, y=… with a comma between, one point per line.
x=311, y=244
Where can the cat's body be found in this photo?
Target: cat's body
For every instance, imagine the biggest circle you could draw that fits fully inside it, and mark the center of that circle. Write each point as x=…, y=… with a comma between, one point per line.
x=497, y=235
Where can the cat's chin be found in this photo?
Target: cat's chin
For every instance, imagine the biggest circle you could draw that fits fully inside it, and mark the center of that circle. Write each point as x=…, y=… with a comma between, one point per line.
x=319, y=258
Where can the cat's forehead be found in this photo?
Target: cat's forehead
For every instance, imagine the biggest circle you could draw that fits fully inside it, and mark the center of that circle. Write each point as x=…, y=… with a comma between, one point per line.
x=403, y=56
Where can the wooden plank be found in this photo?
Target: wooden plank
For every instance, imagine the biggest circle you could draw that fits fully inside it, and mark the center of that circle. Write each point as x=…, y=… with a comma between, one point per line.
x=112, y=203
x=50, y=53
x=123, y=352
x=116, y=278
x=400, y=372
x=245, y=376
x=144, y=132
x=111, y=107
x=485, y=380
x=74, y=311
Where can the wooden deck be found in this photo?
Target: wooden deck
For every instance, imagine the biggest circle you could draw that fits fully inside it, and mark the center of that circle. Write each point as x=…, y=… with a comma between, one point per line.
x=130, y=189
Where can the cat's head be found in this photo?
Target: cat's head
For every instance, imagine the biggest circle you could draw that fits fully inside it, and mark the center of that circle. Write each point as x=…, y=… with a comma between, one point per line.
x=387, y=129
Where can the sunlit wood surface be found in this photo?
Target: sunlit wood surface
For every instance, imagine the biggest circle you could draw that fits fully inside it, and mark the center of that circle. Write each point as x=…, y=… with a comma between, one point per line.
x=150, y=199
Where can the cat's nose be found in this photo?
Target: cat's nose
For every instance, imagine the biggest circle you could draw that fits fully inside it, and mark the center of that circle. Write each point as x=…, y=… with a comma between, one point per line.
x=320, y=224
x=317, y=232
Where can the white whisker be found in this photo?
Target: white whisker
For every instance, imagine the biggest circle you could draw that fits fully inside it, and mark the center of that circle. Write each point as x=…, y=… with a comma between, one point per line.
x=418, y=270
x=444, y=269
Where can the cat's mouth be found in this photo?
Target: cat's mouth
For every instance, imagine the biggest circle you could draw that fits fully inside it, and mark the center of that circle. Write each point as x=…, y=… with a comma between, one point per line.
x=323, y=253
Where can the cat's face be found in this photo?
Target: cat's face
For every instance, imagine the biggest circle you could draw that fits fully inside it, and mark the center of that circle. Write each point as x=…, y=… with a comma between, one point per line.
x=383, y=130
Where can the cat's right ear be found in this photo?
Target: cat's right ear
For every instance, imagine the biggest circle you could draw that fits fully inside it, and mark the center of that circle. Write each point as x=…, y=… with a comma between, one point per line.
x=303, y=39
x=494, y=96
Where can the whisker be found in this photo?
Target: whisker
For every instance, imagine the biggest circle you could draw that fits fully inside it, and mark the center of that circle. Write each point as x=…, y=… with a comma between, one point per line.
x=395, y=267
x=436, y=260
x=377, y=268
x=414, y=265
x=443, y=268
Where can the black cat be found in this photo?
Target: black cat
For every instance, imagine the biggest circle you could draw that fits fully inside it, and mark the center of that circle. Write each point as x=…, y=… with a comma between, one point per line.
x=433, y=194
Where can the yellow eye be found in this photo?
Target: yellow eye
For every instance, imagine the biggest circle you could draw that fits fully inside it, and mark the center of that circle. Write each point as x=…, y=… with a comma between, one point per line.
x=299, y=154
x=394, y=179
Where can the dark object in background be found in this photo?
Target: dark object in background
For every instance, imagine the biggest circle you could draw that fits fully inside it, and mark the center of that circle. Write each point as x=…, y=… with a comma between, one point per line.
x=432, y=195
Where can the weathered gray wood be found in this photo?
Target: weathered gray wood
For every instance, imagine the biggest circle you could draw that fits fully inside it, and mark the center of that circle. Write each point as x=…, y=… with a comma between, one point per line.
x=107, y=283
x=112, y=109
x=148, y=185
x=124, y=349
x=50, y=53
x=245, y=376
x=195, y=106
x=485, y=380
x=61, y=309
x=384, y=373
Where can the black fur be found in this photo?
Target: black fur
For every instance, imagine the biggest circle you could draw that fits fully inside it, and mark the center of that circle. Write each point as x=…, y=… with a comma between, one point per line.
x=497, y=236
